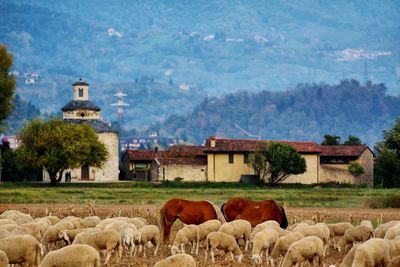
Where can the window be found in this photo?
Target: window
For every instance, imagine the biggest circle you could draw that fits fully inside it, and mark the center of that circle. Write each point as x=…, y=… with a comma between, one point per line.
x=246, y=158
x=230, y=157
x=80, y=92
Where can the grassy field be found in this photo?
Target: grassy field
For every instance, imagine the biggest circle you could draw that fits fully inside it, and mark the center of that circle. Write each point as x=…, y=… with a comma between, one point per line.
x=146, y=193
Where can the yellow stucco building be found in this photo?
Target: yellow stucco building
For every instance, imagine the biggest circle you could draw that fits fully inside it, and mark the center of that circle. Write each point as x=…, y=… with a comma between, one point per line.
x=227, y=161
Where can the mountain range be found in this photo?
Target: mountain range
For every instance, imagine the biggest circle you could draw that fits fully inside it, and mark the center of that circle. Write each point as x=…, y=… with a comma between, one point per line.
x=167, y=56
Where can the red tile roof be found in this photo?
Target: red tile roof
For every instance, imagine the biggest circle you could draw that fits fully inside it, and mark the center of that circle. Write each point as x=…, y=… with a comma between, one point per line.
x=342, y=151
x=173, y=152
x=238, y=145
x=141, y=155
x=186, y=151
x=183, y=161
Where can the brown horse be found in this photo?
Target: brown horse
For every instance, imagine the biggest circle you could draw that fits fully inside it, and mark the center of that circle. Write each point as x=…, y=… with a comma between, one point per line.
x=189, y=212
x=253, y=211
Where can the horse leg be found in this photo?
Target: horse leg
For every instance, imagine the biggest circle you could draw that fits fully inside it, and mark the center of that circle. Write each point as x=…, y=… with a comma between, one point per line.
x=167, y=230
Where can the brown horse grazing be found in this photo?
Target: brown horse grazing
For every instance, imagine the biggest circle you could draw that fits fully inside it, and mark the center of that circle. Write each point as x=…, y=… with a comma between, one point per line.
x=254, y=211
x=189, y=212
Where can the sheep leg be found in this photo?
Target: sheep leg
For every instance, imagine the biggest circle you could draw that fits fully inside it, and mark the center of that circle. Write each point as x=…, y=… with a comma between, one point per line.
x=233, y=258
x=212, y=255
x=183, y=248
x=197, y=247
x=247, y=244
x=193, y=247
x=108, y=257
x=155, y=251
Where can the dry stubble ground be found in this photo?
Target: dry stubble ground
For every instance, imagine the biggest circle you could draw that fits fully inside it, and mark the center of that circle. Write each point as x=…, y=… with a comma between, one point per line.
x=150, y=212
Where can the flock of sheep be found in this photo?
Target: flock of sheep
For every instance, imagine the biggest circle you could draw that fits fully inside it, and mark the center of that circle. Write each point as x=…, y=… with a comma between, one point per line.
x=36, y=242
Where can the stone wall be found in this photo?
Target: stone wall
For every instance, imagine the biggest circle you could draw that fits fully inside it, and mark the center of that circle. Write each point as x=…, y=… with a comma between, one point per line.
x=189, y=173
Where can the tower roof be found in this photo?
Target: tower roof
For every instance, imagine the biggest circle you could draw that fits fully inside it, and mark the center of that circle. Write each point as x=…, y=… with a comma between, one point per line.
x=78, y=104
x=80, y=82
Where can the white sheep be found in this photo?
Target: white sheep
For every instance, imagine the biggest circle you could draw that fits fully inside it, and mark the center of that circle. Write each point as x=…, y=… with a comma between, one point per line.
x=110, y=240
x=3, y=259
x=22, y=248
x=52, y=219
x=89, y=222
x=394, y=262
x=74, y=255
x=359, y=233
x=264, y=241
x=43, y=223
x=17, y=216
x=7, y=221
x=225, y=242
x=116, y=225
x=51, y=235
x=367, y=223
x=148, y=233
x=262, y=226
x=283, y=243
x=308, y=248
x=73, y=219
x=4, y=233
x=374, y=252
x=34, y=229
x=380, y=231
x=8, y=213
x=188, y=234
x=320, y=230
x=393, y=231
x=9, y=227
x=69, y=235
x=338, y=229
x=348, y=259
x=304, y=222
x=238, y=229
x=207, y=227
x=129, y=234
x=177, y=260
x=139, y=222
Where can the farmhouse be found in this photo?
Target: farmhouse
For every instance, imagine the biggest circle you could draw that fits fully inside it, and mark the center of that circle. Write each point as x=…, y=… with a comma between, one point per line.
x=82, y=110
x=187, y=163
x=226, y=160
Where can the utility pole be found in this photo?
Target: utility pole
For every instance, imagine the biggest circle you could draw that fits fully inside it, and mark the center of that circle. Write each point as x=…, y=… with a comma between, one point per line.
x=120, y=115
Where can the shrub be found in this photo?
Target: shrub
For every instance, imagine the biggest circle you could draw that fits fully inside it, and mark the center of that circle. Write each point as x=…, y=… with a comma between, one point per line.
x=391, y=201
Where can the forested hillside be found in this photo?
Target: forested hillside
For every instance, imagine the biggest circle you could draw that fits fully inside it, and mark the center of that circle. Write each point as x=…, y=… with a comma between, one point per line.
x=23, y=111
x=306, y=112
x=220, y=46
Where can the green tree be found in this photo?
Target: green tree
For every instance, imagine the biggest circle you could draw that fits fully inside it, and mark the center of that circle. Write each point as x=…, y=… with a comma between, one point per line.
x=7, y=84
x=57, y=146
x=355, y=169
x=331, y=140
x=352, y=141
x=387, y=164
x=278, y=161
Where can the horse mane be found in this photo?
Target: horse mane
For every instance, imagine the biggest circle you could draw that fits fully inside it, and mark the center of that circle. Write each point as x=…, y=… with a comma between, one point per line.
x=220, y=215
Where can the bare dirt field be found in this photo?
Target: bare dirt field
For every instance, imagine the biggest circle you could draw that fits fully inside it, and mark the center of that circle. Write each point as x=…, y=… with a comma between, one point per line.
x=150, y=212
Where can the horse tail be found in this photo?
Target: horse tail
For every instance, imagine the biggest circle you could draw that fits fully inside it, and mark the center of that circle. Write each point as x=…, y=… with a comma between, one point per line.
x=284, y=221
x=220, y=215
x=223, y=213
x=162, y=223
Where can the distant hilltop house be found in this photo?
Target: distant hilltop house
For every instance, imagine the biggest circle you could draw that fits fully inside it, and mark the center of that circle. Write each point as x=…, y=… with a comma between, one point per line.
x=82, y=110
x=31, y=78
x=132, y=143
x=226, y=160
